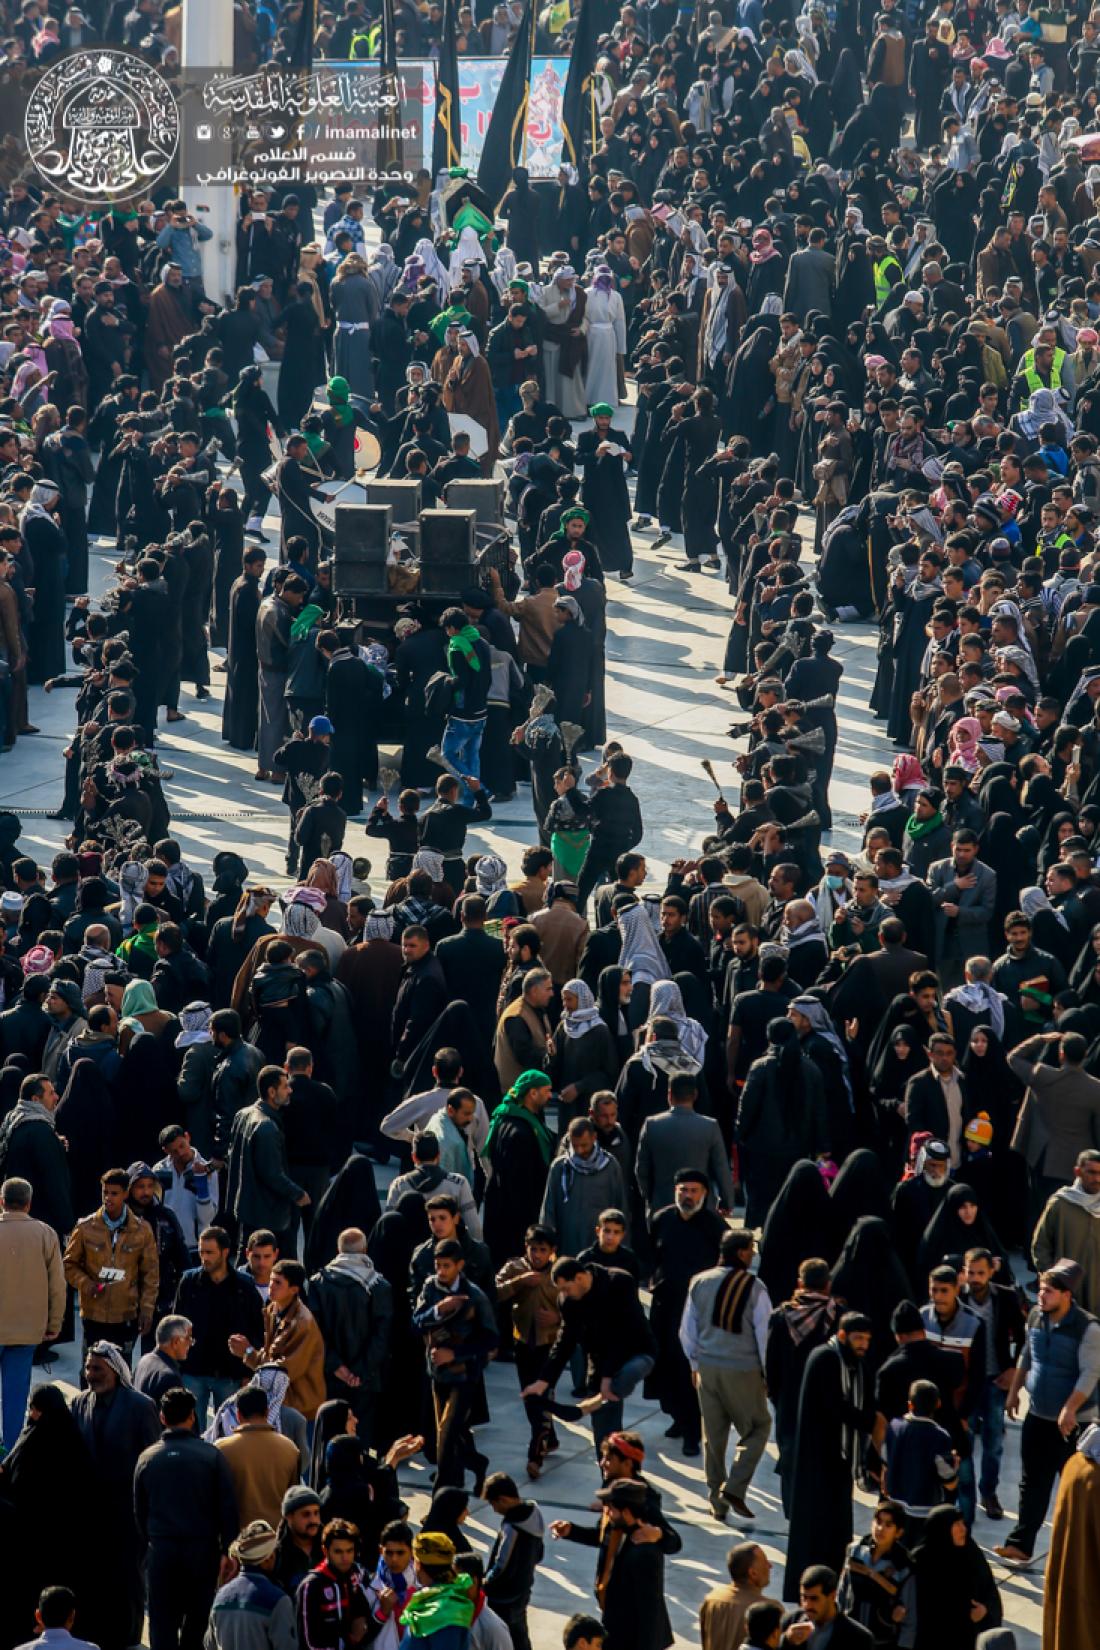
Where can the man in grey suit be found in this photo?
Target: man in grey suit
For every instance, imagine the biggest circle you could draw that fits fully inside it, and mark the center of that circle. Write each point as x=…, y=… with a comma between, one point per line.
x=681, y=1136
x=1060, y=1116
x=964, y=893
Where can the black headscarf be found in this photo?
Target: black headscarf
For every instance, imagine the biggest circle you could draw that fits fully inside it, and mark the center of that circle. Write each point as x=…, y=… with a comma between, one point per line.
x=868, y=1276
x=442, y=1516
x=947, y=1235
x=331, y=1422
x=859, y=1190
x=455, y=1028
x=351, y=1200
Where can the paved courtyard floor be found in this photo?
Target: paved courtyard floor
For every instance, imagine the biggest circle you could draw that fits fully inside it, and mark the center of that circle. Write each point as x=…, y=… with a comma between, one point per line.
x=665, y=644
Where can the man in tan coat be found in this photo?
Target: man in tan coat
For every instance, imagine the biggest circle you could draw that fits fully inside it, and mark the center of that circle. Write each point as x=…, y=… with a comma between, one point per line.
x=562, y=934
x=32, y=1299
x=111, y=1261
x=292, y=1340
x=262, y=1463
x=723, y=1610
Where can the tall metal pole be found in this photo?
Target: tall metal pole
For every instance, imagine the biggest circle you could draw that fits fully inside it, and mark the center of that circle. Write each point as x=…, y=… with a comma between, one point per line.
x=207, y=43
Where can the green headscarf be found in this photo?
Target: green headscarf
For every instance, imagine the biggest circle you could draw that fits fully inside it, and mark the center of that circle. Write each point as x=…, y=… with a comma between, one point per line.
x=305, y=621
x=463, y=644
x=338, y=392
x=138, y=998
x=601, y=410
x=511, y=1108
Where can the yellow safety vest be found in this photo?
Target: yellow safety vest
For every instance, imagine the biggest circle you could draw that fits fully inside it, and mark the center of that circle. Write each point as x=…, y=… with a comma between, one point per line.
x=1031, y=377
x=883, y=286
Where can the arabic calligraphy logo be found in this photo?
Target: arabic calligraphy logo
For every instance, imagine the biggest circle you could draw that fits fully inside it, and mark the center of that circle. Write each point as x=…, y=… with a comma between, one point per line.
x=102, y=125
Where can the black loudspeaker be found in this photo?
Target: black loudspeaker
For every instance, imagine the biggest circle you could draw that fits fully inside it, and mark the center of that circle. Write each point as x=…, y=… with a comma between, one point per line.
x=362, y=544
x=484, y=498
x=404, y=496
x=447, y=538
x=360, y=578
x=363, y=532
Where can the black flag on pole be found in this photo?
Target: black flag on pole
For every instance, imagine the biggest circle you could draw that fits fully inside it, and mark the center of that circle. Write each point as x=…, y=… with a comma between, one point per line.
x=447, y=132
x=504, y=141
x=300, y=54
x=578, y=101
x=390, y=147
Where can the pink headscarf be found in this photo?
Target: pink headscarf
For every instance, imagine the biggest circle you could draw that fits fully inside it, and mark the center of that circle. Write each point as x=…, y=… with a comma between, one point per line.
x=573, y=567
x=908, y=774
x=763, y=247
x=38, y=960
x=313, y=897
x=963, y=740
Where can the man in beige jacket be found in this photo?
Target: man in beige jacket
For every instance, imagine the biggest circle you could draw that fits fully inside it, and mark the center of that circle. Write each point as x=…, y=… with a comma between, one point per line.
x=263, y=1464
x=32, y=1299
x=111, y=1261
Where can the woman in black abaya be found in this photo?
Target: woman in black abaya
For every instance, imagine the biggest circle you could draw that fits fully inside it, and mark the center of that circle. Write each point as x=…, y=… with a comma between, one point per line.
x=870, y=1278
x=519, y=209
x=914, y=607
x=750, y=383
x=847, y=87
x=85, y=1120
x=1002, y=851
x=820, y=121
x=954, y=203
x=405, y=1398
x=45, y=546
x=351, y=1200
x=48, y=1453
x=952, y=1578
x=360, y=1489
x=901, y=1059
x=226, y=526
x=797, y=1229
x=991, y=1084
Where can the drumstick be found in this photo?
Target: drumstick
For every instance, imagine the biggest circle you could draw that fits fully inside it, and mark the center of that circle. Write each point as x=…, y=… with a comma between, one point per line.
x=708, y=767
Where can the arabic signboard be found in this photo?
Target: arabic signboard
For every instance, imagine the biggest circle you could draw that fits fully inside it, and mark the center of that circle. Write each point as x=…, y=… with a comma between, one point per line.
x=108, y=119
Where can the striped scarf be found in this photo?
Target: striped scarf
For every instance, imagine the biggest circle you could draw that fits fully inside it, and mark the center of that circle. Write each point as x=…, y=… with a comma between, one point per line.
x=731, y=1299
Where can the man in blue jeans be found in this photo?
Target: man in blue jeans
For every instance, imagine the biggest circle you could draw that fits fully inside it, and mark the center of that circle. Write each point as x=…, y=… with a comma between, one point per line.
x=999, y=1309
x=32, y=1298
x=470, y=667
x=600, y=1312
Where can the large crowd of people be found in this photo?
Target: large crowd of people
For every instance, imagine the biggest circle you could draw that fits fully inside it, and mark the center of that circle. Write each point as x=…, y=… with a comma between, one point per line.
x=798, y=1142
